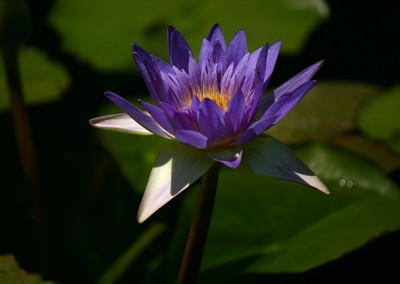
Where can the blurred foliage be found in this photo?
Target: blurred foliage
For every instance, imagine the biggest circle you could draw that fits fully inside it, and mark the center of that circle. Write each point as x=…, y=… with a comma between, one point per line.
x=15, y=23
x=326, y=112
x=105, y=37
x=11, y=273
x=347, y=130
x=395, y=142
x=122, y=264
x=380, y=118
x=43, y=80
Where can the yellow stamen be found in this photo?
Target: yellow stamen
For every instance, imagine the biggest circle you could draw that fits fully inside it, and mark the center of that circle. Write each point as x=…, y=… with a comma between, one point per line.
x=212, y=93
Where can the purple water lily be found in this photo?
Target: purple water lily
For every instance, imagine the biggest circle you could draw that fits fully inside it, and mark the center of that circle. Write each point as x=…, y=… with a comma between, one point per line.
x=216, y=107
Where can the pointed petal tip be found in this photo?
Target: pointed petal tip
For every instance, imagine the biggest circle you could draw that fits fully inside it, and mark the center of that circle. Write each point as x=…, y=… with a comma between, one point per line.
x=109, y=94
x=92, y=122
x=314, y=181
x=230, y=157
x=318, y=65
x=175, y=169
x=171, y=29
x=140, y=217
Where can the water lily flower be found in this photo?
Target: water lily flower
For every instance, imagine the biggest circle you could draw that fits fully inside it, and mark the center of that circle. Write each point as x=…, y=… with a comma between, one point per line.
x=215, y=108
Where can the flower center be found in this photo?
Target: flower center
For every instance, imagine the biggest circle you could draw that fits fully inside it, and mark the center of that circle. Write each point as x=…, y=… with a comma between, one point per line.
x=212, y=93
x=221, y=100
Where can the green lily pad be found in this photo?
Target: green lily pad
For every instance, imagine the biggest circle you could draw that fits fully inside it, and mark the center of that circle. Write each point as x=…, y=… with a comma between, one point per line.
x=326, y=112
x=380, y=118
x=380, y=153
x=107, y=29
x=394, y=142
x=11, y=273
x=42, y=80
x=265, y=225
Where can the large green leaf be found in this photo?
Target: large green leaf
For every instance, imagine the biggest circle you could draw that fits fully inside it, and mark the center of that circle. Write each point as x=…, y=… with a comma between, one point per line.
x=42, y=80
x=328, y=110
x=380, y=118
x=266, y=225
x=108, y=28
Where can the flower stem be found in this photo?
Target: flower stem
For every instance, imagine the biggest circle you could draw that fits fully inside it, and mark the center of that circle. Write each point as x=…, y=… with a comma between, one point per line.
x=25, y=145
x=201, y=222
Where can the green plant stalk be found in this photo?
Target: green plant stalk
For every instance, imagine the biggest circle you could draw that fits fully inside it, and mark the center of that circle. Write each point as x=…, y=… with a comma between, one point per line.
x=120, y=266
x=24, y=140
x=201, y=222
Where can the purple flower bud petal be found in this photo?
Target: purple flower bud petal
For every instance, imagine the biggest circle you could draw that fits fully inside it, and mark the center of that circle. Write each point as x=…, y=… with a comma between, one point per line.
x=270, y=157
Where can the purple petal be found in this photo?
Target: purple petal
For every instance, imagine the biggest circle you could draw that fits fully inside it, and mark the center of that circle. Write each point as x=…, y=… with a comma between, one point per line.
x=205, y=51
x=184, y=121
x=290, y=85
x=262, y=61
x=234, y=114
x=240, y=69
x=195, y=103
x=210, y=120
x=151, y=74
x=279, y=109
x=272, y=56
x=270, y=157
x=285, y=103
x=230, y=157
x=216, y=34
x=236, y=49
x=210, y=52
x=181, y=118
x=179, y=50
x=162, y=65
x=194, y=73
x=138, y=55
x=192, y=138
x=254, y=105
x=161, y=117
x=139, y=116
x=250, y=70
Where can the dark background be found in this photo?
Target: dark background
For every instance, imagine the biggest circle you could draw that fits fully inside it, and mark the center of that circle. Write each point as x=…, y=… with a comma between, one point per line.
x=359, y=41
